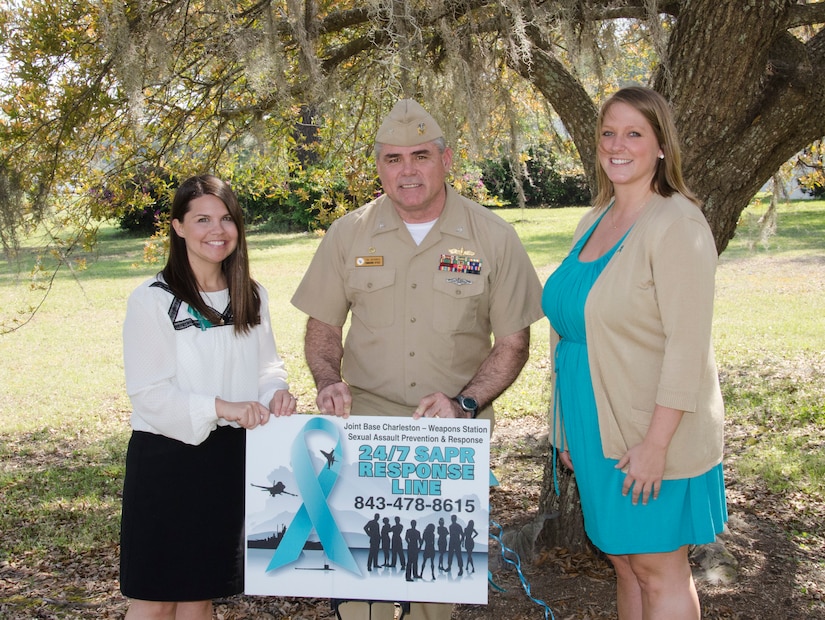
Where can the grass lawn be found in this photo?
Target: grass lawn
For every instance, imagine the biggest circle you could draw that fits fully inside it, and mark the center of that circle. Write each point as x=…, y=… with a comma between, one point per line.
x=64, y=412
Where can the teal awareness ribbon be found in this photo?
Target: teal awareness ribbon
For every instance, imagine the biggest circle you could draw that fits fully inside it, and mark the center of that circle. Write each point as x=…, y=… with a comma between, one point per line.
x=314, y=512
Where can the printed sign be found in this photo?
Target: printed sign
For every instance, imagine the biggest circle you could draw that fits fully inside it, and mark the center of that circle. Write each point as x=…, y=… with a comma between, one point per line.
x=374, y=508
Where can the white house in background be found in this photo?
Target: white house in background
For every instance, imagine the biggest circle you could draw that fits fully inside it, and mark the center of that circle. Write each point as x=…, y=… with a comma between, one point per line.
x=792, y=186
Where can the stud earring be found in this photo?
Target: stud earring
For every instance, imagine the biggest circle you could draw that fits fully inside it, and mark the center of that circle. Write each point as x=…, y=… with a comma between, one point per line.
x=661, y=155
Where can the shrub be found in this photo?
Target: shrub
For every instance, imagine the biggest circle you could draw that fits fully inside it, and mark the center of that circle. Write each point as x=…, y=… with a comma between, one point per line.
x=543, y=184
x=308, y=199
x=470, y=185
x=142, y=201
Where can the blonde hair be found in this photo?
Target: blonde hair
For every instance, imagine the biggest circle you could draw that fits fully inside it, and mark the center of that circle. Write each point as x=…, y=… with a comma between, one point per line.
x=668, y=177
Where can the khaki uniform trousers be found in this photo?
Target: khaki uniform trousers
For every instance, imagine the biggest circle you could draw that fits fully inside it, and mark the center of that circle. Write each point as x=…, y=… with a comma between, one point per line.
x=358, y=610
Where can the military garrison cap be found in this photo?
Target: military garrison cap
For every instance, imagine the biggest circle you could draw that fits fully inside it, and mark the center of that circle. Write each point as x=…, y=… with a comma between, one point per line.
x=408, y=124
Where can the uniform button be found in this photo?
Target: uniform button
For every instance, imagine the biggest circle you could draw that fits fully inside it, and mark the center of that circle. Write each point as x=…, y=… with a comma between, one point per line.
x=412, y=353
x=369, y=284
x=412, y=320
x=413, y=285
x=412, y=384
x=458, y=291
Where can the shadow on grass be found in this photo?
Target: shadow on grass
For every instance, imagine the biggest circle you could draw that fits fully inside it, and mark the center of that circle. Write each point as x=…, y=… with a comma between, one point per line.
x=799, y=229
x=58, y=493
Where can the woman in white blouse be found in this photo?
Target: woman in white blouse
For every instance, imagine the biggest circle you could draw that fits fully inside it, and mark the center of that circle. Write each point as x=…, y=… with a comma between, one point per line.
x=201, y=367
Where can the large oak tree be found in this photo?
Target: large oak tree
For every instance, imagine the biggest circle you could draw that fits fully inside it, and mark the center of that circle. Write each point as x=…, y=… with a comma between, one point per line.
x=104, y=87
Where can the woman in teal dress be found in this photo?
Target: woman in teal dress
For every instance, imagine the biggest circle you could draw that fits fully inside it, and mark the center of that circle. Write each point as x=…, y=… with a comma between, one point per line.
x=638, y=412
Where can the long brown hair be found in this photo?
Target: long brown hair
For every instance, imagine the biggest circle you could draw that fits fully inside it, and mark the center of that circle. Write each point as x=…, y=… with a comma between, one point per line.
x=244, y=298
x=668, y=177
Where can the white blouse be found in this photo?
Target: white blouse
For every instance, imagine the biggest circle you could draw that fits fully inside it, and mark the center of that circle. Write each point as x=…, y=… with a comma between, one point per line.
x=175, y=369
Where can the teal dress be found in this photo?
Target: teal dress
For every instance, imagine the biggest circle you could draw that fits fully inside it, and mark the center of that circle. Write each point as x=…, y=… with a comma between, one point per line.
x=688, y=511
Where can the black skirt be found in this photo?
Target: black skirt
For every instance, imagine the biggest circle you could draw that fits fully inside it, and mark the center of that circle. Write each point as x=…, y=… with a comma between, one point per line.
x=182, y=521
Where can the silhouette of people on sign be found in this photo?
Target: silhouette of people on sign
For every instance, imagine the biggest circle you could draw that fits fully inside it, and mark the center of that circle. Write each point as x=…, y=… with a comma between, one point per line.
x=385, y=540
x=429, y=549
x=373, y=531
x=413, y=538
x=397, y=544
x=276, y=489
x=469, y=544
x=442, y=542
x=456, y=536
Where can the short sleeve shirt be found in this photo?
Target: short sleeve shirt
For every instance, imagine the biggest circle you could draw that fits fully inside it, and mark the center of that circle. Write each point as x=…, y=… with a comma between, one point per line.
x=422, y=316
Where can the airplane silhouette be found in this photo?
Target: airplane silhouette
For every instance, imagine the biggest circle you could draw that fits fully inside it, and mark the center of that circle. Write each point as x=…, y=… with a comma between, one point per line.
x=276, y=489
x=330, y=457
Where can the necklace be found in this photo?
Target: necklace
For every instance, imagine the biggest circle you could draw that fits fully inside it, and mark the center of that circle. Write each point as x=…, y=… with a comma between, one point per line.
x=632, y=213
x=211, y=304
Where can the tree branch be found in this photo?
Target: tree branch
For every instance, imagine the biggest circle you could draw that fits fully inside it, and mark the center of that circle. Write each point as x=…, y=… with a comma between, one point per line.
x=805, y=15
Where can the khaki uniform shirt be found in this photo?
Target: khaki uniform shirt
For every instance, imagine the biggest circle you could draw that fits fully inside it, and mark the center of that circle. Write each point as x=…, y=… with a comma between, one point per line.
x=421, y=315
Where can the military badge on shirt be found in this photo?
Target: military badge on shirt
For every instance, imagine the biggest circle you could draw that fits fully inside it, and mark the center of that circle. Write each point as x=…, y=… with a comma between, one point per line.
x=460, y=261
x=369, y=261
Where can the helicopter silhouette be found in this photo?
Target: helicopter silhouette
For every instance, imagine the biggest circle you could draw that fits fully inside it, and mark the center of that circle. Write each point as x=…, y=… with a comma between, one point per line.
x=276, y=489
x=330, y=456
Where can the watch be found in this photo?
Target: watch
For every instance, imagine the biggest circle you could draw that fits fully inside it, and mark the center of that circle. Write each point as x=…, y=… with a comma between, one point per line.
x=468, y=404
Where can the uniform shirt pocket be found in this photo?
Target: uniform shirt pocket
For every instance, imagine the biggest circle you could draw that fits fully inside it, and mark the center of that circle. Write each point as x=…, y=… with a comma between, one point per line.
x=372, y=293
x=456, y=301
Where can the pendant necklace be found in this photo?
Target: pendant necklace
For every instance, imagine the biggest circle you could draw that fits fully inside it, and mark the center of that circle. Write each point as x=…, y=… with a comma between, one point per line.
x=636, y=210
x=211, y=304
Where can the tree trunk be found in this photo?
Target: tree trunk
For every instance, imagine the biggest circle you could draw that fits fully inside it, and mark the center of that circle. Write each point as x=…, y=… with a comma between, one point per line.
x=742, y=120
x=305, y=135
x=565, y=525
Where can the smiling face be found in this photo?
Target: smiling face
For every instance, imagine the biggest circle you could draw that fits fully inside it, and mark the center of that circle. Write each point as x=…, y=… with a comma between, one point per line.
x=209, y=232
x=413, y=178
x=628, y=147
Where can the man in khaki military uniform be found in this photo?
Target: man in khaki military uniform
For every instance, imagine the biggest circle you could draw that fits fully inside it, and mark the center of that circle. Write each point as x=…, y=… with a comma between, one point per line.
x=427, y=278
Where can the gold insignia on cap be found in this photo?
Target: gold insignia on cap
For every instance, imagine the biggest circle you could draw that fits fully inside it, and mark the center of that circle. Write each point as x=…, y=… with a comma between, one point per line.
x=408, y=124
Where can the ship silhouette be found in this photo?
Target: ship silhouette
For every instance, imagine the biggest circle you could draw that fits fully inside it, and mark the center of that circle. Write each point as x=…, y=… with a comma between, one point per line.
x=273, y=540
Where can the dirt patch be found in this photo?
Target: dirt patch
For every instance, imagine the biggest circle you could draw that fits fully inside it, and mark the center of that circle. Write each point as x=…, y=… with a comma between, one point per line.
x=780, y=575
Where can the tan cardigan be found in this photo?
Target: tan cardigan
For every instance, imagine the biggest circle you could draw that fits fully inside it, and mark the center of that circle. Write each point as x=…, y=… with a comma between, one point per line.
x=648, y=319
